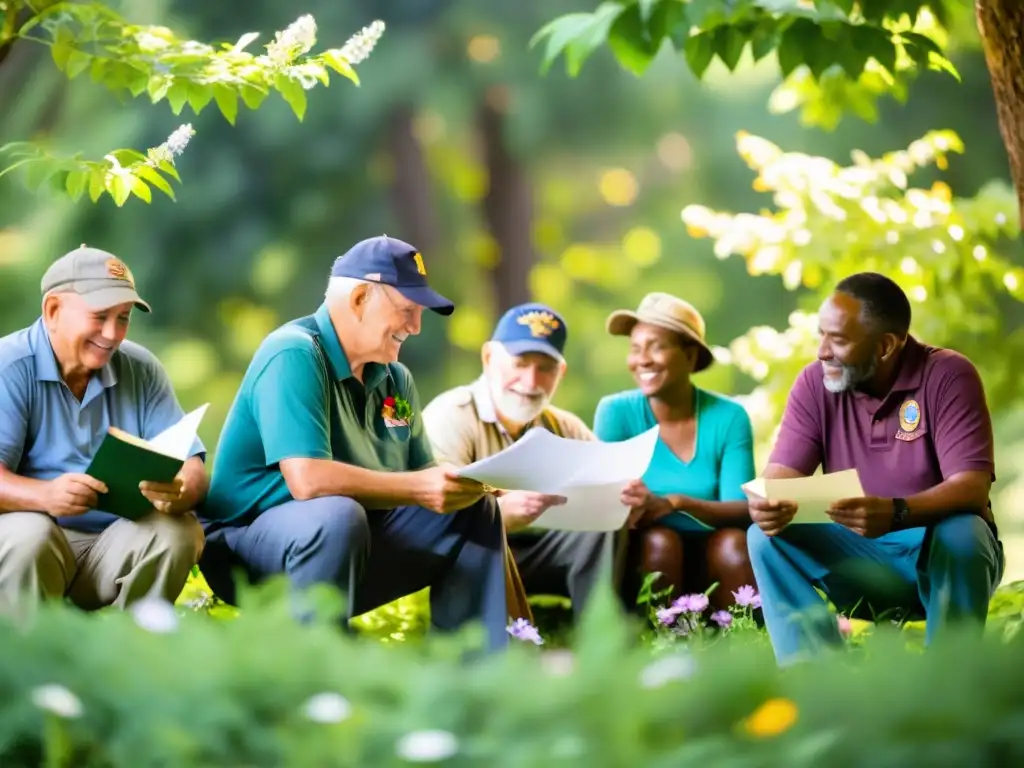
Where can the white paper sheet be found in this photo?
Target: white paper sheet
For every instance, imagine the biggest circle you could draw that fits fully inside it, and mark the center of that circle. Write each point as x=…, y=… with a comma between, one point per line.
x=589, y=473
x=176, y=441
x=813, y=495
x=541, y=461
x=588, y=508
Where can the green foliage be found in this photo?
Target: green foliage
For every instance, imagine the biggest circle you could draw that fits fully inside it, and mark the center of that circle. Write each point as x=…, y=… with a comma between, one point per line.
x=824, y=100
x=952, y=256
x=819, y=34
x=261, y=691
x=122, y=173
x=133, y=60
x=853, y=49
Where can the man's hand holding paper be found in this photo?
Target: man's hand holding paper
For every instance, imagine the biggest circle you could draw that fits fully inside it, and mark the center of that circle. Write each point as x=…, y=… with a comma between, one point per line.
x=591, y=478
x=520, y=509
x=869, y=516
x=444, y=490
x=771, y=515
x=776, y=502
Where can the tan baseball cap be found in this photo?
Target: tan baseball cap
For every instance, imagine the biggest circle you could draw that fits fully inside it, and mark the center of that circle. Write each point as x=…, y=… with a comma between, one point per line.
x=100, y=278
x=665, y=311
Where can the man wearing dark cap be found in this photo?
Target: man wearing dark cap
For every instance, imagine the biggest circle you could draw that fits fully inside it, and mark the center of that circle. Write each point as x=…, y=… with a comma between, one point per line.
x=324, y=473
x=913, y=421
x=522, y=367
x=64, y=381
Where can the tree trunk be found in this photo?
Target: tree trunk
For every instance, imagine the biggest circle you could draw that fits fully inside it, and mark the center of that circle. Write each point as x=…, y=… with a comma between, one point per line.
x=411, y=194
x=1001, y=24
x=507, y=207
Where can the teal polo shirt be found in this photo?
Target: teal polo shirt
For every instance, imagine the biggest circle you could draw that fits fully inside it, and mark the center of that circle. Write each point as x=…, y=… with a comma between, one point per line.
x=723, y=459
x=299, y=400
x=46, y=432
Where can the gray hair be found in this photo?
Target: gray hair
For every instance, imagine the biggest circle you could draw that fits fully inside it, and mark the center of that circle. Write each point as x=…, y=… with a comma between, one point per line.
x=340, y=288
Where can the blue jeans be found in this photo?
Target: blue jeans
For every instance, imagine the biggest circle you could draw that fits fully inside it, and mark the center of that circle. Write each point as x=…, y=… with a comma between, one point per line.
x=374, y=557
x=948, y=571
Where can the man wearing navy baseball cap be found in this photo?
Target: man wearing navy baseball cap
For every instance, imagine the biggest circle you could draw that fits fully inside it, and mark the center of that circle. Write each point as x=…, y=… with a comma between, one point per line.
x=324, y=471
x=523, y=364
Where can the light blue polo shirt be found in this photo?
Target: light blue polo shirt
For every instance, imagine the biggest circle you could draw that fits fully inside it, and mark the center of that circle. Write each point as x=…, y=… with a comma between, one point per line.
x=45, y=432
x=299, y=400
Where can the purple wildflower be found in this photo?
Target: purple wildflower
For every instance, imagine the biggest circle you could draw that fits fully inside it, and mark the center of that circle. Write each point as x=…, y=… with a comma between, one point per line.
x=747, y=596
x=521, y=629
x=667, y=616
x=691, y=603
x=722, y=619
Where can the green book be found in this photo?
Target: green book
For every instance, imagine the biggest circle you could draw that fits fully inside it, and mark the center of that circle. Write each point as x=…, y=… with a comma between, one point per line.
x=125, y=460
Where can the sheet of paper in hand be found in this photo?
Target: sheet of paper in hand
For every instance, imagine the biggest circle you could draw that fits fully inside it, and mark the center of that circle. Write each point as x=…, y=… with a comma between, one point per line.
x=124, y=460
x=591, y=474
x=587, y=508
x=813, y=495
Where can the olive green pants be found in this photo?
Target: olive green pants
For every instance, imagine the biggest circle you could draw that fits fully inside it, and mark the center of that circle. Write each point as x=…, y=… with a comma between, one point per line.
x=128, y=561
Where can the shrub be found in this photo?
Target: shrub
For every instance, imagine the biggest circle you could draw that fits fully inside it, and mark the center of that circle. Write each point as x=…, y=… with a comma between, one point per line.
x=159, y=687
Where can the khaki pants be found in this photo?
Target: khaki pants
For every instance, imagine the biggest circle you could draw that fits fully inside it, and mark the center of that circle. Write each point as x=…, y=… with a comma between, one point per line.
x=129, y=560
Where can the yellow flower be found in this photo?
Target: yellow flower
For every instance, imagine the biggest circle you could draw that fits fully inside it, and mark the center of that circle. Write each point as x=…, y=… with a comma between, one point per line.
x=942, y=191
x=695, y=231
x=760, y=185
x=773, y=717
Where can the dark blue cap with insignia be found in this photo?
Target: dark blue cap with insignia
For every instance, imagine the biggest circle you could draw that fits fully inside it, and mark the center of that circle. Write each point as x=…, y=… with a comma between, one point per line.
x=531, y=328
x=389, y=261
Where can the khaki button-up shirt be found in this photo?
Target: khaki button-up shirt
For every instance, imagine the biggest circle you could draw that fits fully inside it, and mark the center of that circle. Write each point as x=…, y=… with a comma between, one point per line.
x=462, y=427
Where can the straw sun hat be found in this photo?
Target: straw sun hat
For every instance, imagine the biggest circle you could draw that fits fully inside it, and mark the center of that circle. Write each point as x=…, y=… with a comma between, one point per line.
x=665, y=311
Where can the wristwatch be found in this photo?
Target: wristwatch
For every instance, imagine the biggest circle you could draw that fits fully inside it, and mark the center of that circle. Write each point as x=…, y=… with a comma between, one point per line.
x=900, y=510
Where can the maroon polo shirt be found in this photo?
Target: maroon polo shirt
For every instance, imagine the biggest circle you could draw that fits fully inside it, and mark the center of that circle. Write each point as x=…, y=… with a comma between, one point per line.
x=933, y=424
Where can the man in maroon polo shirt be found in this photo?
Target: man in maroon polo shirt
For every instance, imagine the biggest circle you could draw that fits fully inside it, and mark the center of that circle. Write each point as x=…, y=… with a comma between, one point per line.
x=913, y=421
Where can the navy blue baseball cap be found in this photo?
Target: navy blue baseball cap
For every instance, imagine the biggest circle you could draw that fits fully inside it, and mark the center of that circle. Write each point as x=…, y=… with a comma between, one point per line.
x=531, y=328
x=389, y=261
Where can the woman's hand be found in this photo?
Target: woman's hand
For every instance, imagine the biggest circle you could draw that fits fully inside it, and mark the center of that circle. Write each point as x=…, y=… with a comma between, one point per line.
x=644, y=507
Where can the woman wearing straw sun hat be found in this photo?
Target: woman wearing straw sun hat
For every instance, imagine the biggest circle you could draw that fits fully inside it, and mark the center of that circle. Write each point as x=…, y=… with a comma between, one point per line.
x=689, y=513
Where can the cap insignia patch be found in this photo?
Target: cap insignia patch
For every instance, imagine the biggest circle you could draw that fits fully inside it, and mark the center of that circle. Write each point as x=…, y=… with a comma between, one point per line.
x=118, y=270
x=541, y=324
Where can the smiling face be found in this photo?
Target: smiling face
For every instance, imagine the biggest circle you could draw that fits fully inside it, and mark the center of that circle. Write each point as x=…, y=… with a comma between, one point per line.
x=386, y=320
x=521, y=386
x=83, y=338
x=659, y=359
x=849, y=351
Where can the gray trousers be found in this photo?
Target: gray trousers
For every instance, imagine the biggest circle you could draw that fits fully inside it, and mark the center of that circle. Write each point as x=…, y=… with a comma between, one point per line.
x=561, y=562
x=151, y=557
x=373, y=557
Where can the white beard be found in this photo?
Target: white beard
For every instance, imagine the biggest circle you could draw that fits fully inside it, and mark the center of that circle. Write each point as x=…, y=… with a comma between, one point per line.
x=515, y=407
x=519, y=408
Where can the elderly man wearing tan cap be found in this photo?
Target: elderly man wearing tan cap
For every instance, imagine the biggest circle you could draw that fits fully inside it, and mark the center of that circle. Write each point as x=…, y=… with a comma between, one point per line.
x=64, y=381
x=691, y=511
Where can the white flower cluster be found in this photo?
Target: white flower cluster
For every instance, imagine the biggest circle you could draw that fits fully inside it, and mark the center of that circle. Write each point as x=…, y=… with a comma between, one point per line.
x=298, y=38
x=358, y=47
x=174, y=145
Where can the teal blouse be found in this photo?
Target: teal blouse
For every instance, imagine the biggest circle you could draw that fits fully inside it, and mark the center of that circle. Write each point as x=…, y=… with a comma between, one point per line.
x=723, y=458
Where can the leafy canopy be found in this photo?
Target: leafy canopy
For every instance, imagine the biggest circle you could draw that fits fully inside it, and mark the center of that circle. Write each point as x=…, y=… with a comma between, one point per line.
x=133, y=60
x=820, y=34
x=841, y=54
